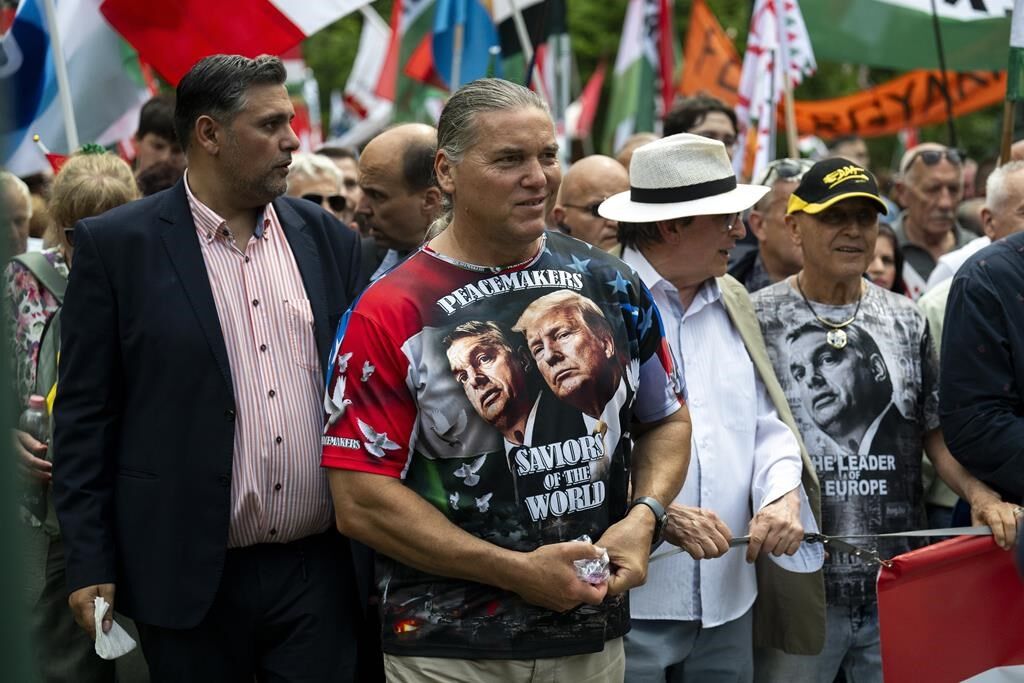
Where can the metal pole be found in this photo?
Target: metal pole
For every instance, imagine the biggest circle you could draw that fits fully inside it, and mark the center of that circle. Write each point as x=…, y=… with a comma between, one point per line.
x=63, y=86
x=945, y=77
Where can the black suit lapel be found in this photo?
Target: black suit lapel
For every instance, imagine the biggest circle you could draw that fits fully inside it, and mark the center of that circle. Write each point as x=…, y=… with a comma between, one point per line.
x=304, y=250
x=178, y=231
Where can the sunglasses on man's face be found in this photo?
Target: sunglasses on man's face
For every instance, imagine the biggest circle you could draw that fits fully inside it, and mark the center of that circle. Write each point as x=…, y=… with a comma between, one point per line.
x=337, y=202
x=589, y=208
x=930, y=157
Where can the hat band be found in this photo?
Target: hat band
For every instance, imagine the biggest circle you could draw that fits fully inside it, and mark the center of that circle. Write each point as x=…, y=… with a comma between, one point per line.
x=683, y=193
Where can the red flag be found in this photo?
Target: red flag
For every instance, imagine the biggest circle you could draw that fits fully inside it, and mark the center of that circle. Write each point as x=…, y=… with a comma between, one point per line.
x=589, y=99
x=389, y=72
x=666, y=55
x=172, y=36
x=56, y=161
x=950, y=611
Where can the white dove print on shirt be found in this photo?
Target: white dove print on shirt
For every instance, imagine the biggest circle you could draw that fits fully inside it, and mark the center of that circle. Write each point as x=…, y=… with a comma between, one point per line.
x=335, y=402
x=468, y=472
x=448, y=431
x=378, y=442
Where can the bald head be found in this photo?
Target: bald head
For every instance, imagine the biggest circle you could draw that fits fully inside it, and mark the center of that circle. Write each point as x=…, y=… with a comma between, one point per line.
x=587, y=183
x=400, y=195
x=625, y=153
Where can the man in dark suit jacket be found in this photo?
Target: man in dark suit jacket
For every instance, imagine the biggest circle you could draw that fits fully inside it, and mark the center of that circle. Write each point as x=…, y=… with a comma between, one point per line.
x=189, y=416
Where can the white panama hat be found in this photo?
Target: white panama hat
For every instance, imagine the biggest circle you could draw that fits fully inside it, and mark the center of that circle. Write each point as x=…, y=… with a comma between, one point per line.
x=679, y=176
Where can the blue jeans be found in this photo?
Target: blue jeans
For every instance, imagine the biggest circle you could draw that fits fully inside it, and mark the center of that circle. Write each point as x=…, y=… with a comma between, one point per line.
x=660, y=650
x=851, y=644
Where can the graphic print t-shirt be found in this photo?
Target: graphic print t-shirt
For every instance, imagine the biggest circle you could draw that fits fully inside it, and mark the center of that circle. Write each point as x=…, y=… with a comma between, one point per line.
x=503, y=398
x=863, y=411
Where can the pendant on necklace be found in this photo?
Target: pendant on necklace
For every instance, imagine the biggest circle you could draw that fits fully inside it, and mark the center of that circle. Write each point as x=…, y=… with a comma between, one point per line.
x=836, y=338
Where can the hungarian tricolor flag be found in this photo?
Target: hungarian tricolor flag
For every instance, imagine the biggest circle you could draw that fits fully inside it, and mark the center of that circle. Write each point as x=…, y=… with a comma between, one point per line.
x=172, y=36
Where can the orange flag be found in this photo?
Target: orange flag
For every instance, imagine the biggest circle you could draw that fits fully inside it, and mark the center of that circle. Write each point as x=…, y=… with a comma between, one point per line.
x=711, y=64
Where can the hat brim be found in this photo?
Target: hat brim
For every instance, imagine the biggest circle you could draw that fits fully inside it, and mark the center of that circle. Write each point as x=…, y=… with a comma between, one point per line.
x=797, y=204
x=620, y=207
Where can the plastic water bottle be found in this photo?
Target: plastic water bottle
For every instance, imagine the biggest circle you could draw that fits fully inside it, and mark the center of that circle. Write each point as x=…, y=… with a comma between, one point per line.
x=35, y=421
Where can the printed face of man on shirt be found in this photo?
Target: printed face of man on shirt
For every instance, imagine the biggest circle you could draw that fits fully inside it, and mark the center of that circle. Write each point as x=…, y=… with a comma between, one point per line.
x=576, y=359
x=841, y=389
x=493, y=376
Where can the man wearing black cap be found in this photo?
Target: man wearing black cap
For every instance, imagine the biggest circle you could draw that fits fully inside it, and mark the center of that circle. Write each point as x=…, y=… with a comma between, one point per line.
x=858, y=367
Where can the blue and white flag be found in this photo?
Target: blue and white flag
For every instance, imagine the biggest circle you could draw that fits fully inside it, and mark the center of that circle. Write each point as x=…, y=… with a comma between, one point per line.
x=107, y=90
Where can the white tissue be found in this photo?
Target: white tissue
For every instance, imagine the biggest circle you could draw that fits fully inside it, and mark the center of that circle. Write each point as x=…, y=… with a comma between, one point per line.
x=115, y=643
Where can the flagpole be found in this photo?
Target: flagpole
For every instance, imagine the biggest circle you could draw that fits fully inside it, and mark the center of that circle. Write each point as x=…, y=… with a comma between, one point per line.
x=63, y=85
x=524, y=38
x=790, y=107
x=945, y=76
x=1007, y=141
x=457, y=56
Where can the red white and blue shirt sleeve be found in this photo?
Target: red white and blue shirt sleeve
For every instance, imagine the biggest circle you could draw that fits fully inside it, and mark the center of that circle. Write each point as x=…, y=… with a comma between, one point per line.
x=370, y=411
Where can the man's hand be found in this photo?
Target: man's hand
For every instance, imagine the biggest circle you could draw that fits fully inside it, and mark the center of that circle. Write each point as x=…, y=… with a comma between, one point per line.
x=1001, y=517
x=629, y=548
x=548, y=578
x=776, y=529
x=30, y=461
x=84, y=609
x=697, y=531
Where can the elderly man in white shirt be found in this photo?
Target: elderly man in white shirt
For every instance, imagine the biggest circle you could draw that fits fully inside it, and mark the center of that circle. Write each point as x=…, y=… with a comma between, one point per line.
x=693, y=620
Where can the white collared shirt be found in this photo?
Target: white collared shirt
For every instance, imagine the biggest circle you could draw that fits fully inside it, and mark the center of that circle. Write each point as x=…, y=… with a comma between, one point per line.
x=742, y=457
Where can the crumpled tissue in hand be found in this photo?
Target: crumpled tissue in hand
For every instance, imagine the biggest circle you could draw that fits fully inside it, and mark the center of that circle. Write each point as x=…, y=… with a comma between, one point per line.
x=115, y=643
x=593, y=571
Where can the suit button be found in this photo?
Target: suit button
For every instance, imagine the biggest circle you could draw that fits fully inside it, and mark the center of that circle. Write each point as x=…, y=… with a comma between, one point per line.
x=273, y=532
x=229, y=414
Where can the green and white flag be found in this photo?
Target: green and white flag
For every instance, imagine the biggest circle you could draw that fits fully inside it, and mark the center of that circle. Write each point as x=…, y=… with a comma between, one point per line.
x=632, y=100
x=1015, y=68
x=899, y=34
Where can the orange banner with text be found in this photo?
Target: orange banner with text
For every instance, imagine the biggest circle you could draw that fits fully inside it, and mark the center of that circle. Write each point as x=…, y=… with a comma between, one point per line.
x=914, y=99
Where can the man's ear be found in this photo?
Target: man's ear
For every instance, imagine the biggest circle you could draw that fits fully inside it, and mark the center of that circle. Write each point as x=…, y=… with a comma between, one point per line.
x=443, y=169
x=794, y=229
x=756, y=223
x=668, y=230
x=878, y=370
x=899, y=188
x=558, y=214
x=986, y=222
x=209, y=134
x=430, y=203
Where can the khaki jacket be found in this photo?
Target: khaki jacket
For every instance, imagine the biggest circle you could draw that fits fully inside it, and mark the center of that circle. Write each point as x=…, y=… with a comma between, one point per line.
x=789, y=613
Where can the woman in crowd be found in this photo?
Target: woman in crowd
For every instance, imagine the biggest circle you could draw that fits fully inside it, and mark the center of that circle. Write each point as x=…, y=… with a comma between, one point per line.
x=90, y=182
x=884, y=270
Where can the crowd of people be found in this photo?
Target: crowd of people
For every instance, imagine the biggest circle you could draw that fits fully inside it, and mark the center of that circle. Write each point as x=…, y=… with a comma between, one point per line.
x=442, y=410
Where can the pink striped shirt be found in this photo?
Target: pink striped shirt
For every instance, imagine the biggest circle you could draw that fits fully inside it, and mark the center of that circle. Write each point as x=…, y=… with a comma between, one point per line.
x=278, y=491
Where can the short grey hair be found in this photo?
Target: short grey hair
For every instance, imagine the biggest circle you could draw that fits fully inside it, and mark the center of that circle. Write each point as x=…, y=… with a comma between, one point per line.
x=313, y=166
x=8, y=180
x=995, y=186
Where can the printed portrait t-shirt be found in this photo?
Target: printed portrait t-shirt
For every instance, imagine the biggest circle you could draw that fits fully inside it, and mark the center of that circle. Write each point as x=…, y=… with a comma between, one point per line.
x=504, y=398
x=863, y=411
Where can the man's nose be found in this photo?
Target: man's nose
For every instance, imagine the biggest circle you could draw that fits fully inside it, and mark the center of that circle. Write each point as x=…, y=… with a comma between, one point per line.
x=535, y=176
x=363, y=206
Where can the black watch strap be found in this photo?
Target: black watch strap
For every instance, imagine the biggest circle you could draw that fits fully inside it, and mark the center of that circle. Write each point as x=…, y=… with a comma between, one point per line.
x=659, y=515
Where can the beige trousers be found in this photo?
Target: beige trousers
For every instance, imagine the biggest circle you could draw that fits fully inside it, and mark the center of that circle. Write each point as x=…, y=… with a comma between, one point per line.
x=607, y=666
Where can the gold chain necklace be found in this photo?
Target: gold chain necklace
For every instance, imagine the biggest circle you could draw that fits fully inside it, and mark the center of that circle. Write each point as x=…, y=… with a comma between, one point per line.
x=836, y=335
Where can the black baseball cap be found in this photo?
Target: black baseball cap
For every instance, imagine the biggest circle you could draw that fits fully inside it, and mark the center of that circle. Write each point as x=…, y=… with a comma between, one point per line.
x=830, y=181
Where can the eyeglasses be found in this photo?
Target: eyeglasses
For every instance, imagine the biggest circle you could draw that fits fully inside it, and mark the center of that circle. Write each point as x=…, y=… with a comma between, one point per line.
x=337, y=202
x=589, y=208
x=725, y=138
x=930, y=157
x=725, y=222
x=785, y=169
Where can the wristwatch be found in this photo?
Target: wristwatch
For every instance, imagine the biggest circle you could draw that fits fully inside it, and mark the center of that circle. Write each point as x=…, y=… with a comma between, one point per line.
x=659, y=516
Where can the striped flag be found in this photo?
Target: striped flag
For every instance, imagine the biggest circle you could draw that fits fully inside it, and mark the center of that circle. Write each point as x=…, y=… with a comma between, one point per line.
x=898, y=34
x=778, y=47
x=172, y=36
x=640, y=72
x=107, y=88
